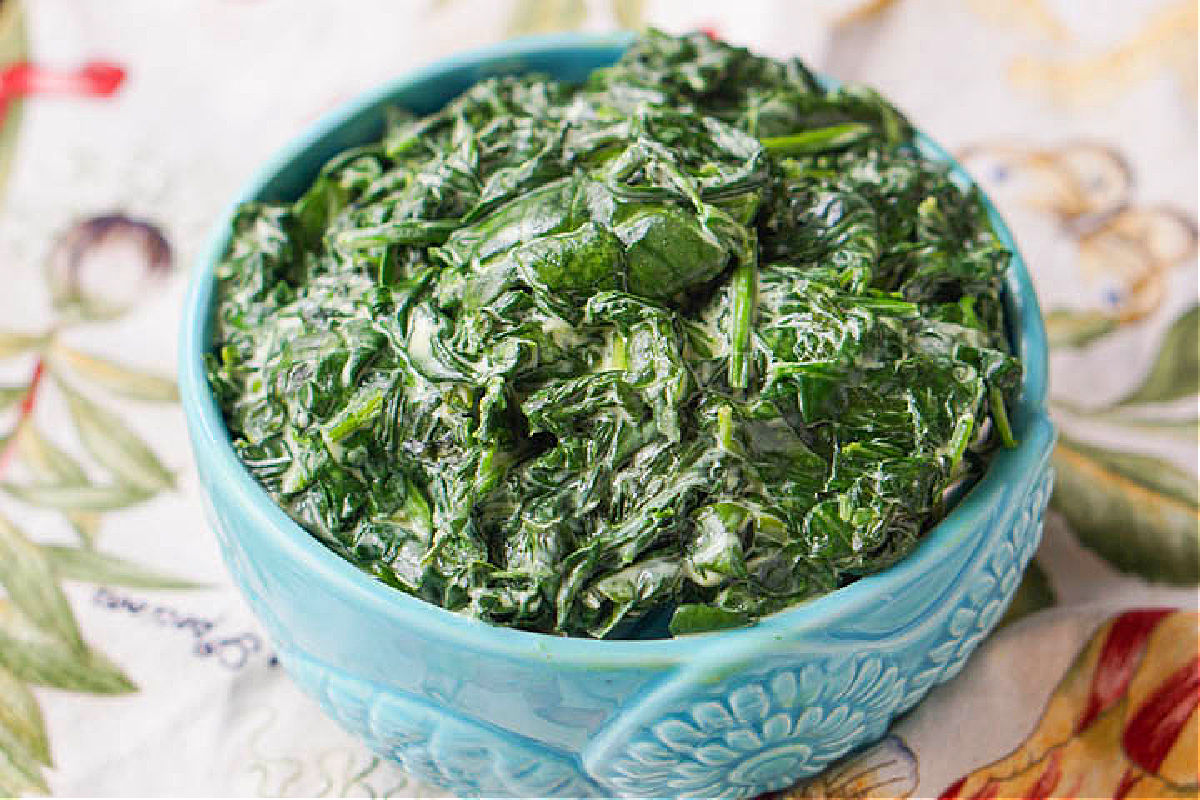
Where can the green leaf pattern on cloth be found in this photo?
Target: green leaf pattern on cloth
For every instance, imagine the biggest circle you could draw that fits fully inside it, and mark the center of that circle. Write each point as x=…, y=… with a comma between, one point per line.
x=41, y=641
x=29, y=581
x=1175, y=372
x=1137, y=511
x=115, y=446
x=1078, y=207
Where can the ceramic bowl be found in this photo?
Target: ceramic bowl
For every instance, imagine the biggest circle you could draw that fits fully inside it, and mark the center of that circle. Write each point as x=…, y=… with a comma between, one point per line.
x=488, y=710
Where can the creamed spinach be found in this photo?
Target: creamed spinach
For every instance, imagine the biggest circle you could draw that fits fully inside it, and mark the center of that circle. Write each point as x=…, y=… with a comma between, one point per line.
x=678, y=347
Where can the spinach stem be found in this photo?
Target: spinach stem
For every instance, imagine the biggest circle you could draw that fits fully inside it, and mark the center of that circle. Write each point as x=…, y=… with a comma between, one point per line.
x=360, y=411
x=959, y=441
x=745, y=297
x=725, y=429
x=620, y=352
x=817, y=140
x=1000, y=415
x=405, y=232
x=493, y=465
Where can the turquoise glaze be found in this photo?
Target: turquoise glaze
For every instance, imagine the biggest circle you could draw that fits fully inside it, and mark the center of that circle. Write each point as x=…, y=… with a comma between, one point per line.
x=484, y=710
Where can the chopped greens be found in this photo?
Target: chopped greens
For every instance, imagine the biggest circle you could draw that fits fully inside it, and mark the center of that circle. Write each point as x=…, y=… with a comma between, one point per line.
x=664, y=352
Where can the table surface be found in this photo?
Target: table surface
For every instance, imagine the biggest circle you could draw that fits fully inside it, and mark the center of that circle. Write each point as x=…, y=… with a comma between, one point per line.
x=130, y=666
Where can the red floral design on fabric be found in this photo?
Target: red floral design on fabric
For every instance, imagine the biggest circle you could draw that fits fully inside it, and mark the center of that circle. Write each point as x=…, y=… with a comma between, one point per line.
x=94, y=79
x=1121, y=722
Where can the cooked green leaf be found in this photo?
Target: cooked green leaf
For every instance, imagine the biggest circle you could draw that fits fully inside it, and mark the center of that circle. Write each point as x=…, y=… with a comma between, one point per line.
x=818, y=140
x=698, y=618
x=1137, y=511
x=82, y=564
x=668, y=350
x=112, y=443
x=1175, y=373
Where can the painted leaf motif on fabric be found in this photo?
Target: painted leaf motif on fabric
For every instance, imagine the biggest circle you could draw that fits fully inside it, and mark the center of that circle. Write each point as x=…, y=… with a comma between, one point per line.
x=1155, y=474
x=78, y=498
x=51, y=465
x=47, y=462
x=1137, y=511
x=82, y=564
x=21, y=717
x=112, y=443
x=19, y=773
x=120, y=379
x=1175, y=372
x=546, y=16
x=34, y=656
x=12, y=343
x=27, y=577
x=24, y=749
x=10, y=396
x=630, y=14
x=1132, y=419
x=1077, y=328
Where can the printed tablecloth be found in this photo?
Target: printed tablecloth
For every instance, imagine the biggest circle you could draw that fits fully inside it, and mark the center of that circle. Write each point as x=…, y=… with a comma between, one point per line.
x=128, y=664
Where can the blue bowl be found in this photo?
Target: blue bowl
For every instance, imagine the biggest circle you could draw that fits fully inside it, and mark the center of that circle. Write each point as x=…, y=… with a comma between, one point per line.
x=483, y=710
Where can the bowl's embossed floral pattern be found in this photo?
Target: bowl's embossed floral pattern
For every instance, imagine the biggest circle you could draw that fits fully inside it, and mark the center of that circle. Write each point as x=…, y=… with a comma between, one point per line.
x=435, y=746
x=763, y=728
x=987, y=595
x=776, y=725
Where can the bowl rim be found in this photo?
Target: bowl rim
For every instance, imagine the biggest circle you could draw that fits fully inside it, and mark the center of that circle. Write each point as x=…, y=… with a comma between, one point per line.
x=212, y=446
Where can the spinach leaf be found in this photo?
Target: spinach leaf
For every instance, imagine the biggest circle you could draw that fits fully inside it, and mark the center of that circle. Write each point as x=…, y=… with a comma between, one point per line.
x=663, y=352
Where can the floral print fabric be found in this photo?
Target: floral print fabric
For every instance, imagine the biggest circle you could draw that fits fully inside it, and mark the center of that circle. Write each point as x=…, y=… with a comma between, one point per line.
x=130, y=666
